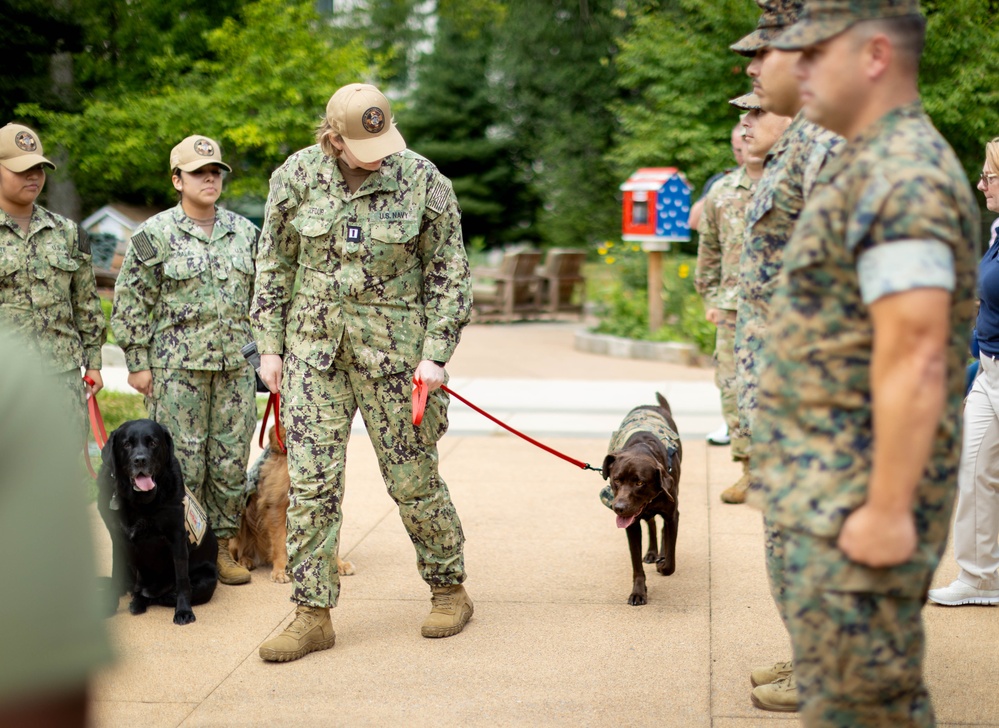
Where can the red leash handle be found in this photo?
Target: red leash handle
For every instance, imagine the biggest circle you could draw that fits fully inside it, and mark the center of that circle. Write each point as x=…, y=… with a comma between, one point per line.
x=420, y=402
x=274, y=400
x=96, y=425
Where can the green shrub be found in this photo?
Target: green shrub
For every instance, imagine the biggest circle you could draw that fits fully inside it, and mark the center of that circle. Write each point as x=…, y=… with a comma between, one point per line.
x=106, y=305
x=620, y=290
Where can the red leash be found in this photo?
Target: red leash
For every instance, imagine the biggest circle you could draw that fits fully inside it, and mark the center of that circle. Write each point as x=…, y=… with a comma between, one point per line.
x=273, y=400
x=420, y=404
x=96, y=425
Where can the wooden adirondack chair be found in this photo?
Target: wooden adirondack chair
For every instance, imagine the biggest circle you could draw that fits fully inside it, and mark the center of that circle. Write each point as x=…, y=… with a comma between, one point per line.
x=563, y=286
x=510, y=292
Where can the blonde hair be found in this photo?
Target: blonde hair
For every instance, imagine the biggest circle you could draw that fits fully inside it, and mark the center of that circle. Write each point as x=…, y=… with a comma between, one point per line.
x=992, y=155
x=324, y=133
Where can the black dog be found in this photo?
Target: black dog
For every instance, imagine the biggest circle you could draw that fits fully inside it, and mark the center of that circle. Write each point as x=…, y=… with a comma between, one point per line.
x=140, y=498
x=644, y=471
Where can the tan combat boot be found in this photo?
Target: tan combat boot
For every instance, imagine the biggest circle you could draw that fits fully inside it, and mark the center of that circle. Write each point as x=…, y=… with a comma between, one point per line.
x=780, y=696
x=736, y=493
x=229, y=571
x=451, y=611
x=767, y=674
x=311, y=630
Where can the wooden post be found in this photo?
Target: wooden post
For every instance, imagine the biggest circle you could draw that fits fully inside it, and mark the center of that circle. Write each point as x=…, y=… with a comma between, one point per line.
x=655, y=290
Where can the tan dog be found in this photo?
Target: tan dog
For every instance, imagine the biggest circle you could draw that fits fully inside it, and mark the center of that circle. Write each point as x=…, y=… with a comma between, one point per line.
x=263, y=530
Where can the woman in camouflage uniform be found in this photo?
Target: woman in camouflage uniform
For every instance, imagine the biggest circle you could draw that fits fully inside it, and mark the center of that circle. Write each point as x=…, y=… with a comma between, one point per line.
x=181, y=313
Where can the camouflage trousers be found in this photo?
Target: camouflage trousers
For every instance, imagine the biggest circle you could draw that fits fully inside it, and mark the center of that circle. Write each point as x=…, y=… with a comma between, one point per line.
x=749, y=336
x=318, y=408
x=72, y=393
x=725, y=380
x=858, y=650
x=211, y=416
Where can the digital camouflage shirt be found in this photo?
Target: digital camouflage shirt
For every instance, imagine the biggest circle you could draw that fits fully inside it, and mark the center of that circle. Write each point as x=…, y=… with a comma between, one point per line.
x=720, y=237
x=47, y=290
x=384, y=266
x=182, y=299
x=892, y=213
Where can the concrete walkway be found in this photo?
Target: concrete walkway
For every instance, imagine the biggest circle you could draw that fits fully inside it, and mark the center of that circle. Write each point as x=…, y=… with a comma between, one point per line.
x=553, y=640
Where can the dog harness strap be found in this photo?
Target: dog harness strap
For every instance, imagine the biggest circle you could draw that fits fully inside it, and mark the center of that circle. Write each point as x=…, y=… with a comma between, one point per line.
x=422, y=398
x=96, y=425
x=274, y=400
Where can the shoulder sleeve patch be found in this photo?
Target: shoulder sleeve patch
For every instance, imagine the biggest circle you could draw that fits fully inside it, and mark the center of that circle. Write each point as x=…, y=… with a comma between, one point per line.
x=439, y=195
x=82, y=240
x=144, y=247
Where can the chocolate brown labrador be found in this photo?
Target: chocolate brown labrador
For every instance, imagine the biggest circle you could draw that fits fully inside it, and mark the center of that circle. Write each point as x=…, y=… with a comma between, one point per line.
x=643, y=469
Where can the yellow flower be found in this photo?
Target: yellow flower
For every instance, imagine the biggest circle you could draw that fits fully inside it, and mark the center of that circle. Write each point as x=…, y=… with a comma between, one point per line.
x=602, y=251
x=609, y=244
x=609, y=259
x=636, y=248
x=684, y=270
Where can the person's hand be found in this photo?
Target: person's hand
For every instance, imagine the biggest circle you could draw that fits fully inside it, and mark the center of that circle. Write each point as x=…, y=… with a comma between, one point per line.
x=270, y=371
x=141, y=382
x=430, y=374
x=94, y=374
x=713, y=315
x=878, y=538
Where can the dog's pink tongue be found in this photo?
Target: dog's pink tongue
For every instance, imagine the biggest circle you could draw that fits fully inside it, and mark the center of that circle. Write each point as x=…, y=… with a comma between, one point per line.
x=144, y=483
x=623, y=522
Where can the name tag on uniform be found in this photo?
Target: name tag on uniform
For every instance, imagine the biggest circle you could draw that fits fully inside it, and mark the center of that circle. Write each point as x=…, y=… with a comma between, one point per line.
x=353, y=234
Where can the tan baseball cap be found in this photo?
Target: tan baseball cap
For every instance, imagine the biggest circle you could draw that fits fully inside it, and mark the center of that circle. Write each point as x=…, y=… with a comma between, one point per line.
x=362, y=116
x=825, y=19
x=195, y=152
x=20, y=148
x=777, y=15
x=746, y=102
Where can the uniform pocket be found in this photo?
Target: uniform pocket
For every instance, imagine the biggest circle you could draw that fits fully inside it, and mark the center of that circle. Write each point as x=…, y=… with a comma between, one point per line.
x=183, y=268
x=392, y=248
x=316, y=247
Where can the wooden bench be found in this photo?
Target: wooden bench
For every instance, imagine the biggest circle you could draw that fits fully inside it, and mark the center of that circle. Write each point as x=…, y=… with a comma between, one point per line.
x=563, y=287
x=510, y=292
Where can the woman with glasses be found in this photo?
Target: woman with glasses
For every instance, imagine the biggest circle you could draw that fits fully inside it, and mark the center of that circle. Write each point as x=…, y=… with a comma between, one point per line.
x=976, y=527
x=182, y=313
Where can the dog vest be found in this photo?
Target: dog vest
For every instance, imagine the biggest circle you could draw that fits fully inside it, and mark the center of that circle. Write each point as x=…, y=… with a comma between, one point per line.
x=195, y=518
x=639, y=420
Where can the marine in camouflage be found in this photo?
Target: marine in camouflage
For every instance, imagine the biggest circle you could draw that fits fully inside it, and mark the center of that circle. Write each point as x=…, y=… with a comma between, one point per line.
x=899, y=193
x=719, y=250
x=789, y=174
x=181, y=311
x=384, y=286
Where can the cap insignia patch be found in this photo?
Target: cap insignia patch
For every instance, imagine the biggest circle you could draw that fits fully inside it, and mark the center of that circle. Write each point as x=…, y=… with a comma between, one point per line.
x=25, y=142
x=204, y=148
x=373, y=120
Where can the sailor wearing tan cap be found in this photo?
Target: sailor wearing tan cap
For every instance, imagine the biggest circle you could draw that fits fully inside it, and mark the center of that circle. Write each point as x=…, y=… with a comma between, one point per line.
x=862, y=387
x=47, y=288
x=374, y=230
x=181, y=314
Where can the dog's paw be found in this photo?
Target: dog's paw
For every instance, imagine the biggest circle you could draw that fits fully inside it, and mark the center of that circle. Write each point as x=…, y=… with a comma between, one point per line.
x=638, y=599
x=345, y=568
x=278, y=576
x=664, y=568
x=247, y=564
x=183, y=616
x=650, y=558
x=137, y=606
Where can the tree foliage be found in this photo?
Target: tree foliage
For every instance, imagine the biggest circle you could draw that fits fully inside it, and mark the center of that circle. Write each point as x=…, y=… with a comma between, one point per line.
x=259, y=91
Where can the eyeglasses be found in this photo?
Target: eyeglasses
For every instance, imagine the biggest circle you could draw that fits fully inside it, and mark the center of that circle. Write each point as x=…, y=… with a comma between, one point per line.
x=987, y=177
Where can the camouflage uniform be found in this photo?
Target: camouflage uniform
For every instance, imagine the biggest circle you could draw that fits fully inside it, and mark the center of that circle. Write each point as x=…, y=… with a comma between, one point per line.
x=639, y=420
x=892, y=213
x=384, y=285
x=181, y=310
x=49, y=297
x=791, y=168
x=720, y=234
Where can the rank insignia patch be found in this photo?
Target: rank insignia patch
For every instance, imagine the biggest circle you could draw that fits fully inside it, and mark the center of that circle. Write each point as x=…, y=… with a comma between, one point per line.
x=353, y=234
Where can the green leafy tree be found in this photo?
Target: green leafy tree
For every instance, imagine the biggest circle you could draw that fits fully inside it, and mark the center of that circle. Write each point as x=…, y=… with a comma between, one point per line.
x=260, y=93
x=556, y=65
x=452, y=118
x=678, y=73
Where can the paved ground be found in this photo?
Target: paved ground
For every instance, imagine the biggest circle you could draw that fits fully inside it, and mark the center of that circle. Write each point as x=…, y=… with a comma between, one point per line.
x=553, y=641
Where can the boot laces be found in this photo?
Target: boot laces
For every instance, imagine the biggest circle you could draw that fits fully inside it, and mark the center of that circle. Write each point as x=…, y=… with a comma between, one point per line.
x=786, y=683
x=304, y=620
x=444, y=602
